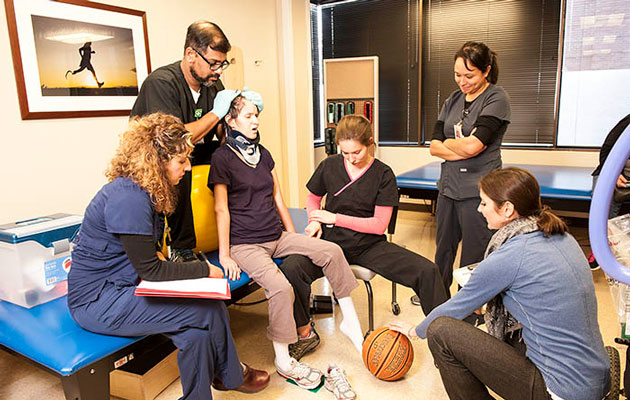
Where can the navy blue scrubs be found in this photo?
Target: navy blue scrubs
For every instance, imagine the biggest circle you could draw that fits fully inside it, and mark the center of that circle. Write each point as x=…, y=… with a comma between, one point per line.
x=101, y=286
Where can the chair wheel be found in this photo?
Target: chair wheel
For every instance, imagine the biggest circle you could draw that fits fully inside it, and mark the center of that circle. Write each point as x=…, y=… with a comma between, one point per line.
x=615, y=374
x=395, y=308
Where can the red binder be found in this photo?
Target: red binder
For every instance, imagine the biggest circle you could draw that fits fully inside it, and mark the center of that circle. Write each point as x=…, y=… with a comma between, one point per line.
x=204, y=288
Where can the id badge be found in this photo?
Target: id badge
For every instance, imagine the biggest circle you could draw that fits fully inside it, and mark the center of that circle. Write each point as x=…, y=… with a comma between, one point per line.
x=457, y=128
x=199, y=114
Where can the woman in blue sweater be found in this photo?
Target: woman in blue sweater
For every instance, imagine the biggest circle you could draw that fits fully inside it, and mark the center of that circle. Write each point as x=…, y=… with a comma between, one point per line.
x=535, y=280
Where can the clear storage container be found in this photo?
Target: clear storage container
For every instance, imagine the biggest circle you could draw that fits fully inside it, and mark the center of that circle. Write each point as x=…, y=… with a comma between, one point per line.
x=35, y=258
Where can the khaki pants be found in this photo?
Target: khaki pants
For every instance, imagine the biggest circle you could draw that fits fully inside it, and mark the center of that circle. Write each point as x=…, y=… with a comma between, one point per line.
x=255, y=259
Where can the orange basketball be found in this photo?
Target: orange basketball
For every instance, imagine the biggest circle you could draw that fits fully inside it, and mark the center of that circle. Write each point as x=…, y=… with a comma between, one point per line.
x=387, y=354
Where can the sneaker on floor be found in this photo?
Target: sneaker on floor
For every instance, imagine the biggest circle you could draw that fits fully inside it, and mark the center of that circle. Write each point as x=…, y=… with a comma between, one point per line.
x=182, y=255
x=305, y=345
x=415, y=300
x=337, y=383
x=301, y=374
x=592, y=262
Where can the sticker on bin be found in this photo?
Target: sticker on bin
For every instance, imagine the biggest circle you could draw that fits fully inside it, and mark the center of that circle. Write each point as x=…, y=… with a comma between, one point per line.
x=56, y=270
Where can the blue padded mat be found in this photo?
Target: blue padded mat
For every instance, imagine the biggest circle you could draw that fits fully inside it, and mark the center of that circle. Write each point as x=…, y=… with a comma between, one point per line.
x=48, y=335
x=555, y=181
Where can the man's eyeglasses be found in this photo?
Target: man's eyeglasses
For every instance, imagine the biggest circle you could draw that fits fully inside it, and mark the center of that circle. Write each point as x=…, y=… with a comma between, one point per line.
x=214, y=65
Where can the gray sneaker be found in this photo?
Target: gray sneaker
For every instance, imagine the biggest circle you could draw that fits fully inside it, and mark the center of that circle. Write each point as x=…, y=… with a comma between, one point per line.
x=305, y=345
x=302, y=375
x=337, y=383
x=182, y=255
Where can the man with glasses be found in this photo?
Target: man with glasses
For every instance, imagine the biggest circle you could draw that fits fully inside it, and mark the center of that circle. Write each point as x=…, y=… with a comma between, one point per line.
x=191, y=90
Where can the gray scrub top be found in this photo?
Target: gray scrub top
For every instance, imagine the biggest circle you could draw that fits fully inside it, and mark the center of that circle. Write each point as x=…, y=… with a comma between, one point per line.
x=458, y=179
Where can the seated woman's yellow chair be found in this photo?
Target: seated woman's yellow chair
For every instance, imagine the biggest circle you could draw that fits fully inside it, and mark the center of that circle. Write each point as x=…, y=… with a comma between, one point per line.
x=202, y=201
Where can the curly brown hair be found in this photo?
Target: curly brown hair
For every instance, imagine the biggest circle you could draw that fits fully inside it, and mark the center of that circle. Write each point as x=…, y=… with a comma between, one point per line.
x=145, y=147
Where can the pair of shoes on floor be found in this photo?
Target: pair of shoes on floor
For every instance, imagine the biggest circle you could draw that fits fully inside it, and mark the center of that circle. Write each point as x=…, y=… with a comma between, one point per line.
x=254, y=380
x=415, y=300
x=592, y=262
x=301, y=374
x=182, y=255
x=307, y=377
x=305, y=345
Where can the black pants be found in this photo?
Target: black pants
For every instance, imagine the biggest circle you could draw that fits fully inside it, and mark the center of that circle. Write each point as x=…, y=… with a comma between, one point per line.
x=459, y=220
x=387, y=259
x=181, y=224
x=471, y=360
x=301, y=273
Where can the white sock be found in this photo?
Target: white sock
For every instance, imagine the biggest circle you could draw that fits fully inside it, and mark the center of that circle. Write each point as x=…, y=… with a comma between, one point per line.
x=350, y=324
x=283, y=359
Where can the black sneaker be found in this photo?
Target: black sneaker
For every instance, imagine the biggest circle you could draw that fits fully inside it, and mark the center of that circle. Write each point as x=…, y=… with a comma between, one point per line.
x=305, y=345
x=415, y=300
x=592, y=262
x=182, y=255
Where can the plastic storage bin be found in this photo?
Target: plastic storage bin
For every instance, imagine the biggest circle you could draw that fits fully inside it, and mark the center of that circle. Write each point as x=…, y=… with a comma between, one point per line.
x=35, y=258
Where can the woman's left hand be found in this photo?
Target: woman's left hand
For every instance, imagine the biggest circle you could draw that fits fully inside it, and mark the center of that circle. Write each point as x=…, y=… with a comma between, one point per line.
x=323, y=216
x=403, y=327
x=313, y=229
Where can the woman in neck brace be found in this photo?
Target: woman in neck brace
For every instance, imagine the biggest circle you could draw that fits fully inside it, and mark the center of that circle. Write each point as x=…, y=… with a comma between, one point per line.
x=249, y=207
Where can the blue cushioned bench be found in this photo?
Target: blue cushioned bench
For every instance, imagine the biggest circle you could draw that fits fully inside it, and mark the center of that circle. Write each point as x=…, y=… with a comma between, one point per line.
x=563, y=188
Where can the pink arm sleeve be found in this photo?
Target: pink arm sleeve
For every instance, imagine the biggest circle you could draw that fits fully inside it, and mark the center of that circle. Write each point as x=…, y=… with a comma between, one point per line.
x=376, y=225
x=313, y=202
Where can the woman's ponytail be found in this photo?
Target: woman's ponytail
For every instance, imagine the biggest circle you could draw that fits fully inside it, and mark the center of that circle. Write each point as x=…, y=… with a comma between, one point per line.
x=493, y=75
x=550, y=223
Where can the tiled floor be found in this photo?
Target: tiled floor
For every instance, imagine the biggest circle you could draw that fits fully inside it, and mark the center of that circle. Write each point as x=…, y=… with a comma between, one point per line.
x=20, y=380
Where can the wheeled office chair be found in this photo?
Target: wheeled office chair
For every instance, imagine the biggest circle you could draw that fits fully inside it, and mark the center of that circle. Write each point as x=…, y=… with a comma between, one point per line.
x=300, y=220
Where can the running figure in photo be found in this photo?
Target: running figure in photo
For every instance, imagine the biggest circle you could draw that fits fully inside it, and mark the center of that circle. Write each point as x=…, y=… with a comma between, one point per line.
x=86, y=62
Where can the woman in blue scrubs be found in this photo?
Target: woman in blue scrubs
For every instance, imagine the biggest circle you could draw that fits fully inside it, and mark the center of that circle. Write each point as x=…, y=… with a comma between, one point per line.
x=119, y=244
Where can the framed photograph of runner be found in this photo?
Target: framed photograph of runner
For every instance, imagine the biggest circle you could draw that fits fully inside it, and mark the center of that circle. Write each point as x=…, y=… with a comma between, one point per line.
x=76, y=58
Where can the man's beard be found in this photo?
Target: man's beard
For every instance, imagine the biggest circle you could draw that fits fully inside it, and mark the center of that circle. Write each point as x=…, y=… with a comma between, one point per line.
x=204, y=81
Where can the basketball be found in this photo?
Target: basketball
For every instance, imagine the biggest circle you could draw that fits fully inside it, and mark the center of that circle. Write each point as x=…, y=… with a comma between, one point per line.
x=387, y=354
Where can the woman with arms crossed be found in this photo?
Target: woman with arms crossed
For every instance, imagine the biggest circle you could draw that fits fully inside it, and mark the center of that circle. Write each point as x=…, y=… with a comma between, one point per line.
x=467, y=135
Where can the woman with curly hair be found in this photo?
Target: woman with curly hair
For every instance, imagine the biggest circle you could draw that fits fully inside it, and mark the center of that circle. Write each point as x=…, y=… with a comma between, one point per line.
x=119, y=244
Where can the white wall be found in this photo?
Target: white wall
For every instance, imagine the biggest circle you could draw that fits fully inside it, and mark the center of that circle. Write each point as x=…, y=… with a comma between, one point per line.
x=57, y=165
